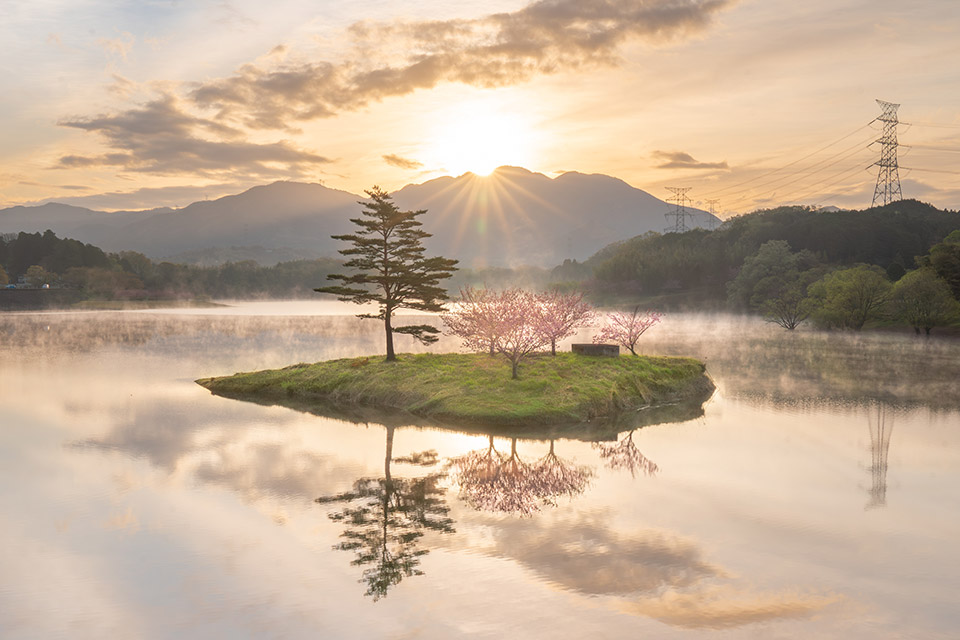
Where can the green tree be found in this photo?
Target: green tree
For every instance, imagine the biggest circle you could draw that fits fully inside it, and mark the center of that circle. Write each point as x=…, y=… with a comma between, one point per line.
x=848, y=298
x=37, y=276
x=774, y=281
x=391, y=270
x=944, y=258
x=923, y=300
x=4, y=280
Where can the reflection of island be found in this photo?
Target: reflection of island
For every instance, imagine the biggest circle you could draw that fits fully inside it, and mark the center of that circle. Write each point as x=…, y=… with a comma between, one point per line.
x=491, y=481
x=385, y=518
x=880, y=429
x=625, y=455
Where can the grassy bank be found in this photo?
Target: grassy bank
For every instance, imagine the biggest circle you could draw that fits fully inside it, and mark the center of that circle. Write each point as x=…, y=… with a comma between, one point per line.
x=477, y=388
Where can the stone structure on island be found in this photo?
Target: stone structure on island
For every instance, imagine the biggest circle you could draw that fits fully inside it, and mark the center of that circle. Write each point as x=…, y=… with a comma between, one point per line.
x=589, y=349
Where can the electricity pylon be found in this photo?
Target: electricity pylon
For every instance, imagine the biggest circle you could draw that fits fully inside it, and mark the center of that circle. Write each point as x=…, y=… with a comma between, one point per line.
x=888, y=176
x=679, y=213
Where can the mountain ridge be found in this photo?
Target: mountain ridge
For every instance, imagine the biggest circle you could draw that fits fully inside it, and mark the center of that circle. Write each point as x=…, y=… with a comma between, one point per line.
x=513, y=216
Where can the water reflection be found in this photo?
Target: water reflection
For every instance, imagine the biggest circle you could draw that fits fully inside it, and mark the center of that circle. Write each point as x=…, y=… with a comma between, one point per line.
x=491, y=481
x=384, y=519
x=625, y=455
x=179, y=514
x=881, y=427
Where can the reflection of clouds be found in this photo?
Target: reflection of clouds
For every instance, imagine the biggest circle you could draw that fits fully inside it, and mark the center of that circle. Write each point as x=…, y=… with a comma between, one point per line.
x=656, y=574
x=586, y=554
x=726, y=607
x=255, y=469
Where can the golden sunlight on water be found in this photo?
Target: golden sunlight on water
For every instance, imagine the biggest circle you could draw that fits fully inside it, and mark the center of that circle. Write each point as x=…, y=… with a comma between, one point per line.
x=815, y=496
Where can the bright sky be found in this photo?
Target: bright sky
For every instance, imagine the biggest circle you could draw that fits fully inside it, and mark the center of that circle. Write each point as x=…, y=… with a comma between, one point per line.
x=136, y=104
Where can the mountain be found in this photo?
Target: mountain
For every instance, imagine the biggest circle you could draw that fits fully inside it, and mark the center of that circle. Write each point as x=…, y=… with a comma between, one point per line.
x=513, y=216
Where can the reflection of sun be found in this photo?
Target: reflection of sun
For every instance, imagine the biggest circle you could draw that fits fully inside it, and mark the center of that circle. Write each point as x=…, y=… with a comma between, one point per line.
x=478, y=137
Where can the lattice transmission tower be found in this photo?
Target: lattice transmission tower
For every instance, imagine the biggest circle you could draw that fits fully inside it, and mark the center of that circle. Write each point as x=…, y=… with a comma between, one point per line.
x=888, y=176
x=679, y=213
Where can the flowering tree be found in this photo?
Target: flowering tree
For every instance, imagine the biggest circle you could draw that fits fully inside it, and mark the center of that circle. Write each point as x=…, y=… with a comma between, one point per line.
x=561, y=314
x=506, y=322
x=518, y=325
x=474, y=319
x=625, y=329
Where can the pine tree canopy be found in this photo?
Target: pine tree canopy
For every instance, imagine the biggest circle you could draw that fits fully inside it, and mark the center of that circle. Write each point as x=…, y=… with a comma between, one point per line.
x=386, y=255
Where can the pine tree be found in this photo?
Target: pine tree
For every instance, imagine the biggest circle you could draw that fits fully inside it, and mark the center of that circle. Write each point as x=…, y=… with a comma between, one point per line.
x=387, y=254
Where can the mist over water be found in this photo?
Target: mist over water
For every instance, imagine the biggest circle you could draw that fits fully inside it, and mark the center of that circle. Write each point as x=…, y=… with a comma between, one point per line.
x=817, y=496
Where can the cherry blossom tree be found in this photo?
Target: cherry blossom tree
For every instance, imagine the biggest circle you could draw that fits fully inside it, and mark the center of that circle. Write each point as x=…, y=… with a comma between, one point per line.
x=474, y=319
x=506, y=322
x=625, y=329
x=561, y=314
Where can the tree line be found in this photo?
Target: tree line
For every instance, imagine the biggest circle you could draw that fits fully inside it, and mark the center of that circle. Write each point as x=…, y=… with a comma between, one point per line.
x=45, y=259
x=842, y=269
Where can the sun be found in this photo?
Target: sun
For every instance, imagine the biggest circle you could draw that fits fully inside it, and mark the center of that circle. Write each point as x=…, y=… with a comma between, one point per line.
x=479, y=137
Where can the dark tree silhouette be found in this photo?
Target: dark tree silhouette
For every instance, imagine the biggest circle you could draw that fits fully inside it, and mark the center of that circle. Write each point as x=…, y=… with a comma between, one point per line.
x=625, y=455
x=385, y=519
x=387, y=254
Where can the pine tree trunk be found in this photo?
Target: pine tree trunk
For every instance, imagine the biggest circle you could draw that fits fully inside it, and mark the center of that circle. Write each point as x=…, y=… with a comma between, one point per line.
x=391, y=356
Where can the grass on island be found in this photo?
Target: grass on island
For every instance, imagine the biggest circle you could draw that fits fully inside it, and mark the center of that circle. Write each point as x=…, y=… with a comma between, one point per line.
x=477, y=388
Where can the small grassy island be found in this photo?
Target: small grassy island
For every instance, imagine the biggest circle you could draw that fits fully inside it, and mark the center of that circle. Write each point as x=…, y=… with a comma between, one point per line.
x=473, y=389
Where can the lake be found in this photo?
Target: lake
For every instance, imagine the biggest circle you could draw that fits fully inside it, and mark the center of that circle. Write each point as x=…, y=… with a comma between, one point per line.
x=816, y=494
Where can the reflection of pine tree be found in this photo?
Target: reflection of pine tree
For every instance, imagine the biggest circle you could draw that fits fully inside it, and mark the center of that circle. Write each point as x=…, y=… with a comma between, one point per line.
x=625, y=455
x=491, y=481
x=385, y=518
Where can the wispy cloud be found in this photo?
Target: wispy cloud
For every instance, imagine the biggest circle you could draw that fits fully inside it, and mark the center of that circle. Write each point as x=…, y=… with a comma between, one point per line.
x=401, y=163
x=683, y=160
x=204, y=132
x=501, y=49
x=162, y=138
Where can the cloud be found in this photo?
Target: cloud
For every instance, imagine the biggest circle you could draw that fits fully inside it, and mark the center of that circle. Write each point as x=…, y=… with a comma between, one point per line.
x=401, y=163
x=545, y=37
x=204, y=132
x=683, y=160
x=119, y=46
x=160, y=137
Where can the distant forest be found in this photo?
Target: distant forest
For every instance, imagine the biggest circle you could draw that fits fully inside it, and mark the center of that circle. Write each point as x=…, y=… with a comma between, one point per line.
x=743, y=265
x=35, y=259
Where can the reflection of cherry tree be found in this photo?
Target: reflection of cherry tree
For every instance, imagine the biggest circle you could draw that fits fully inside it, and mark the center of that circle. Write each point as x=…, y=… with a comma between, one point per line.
x=625, y=455
x=491, y=481
x=385, y=518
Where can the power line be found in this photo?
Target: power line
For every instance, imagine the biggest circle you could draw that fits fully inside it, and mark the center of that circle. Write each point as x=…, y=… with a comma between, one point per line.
x=847, y=153
x=809, y=155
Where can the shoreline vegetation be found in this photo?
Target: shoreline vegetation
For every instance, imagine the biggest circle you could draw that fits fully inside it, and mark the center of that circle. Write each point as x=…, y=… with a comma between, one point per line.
x=477, y=390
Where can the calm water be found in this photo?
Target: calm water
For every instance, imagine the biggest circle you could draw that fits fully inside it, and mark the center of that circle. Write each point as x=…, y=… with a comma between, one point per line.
x=816, y=495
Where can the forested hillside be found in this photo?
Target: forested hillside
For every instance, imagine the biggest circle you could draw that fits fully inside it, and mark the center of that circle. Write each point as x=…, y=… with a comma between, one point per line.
x=701, y=263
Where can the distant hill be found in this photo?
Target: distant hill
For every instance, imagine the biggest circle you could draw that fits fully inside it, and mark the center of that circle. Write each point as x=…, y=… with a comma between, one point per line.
x=514, y=216
x=511, y=217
